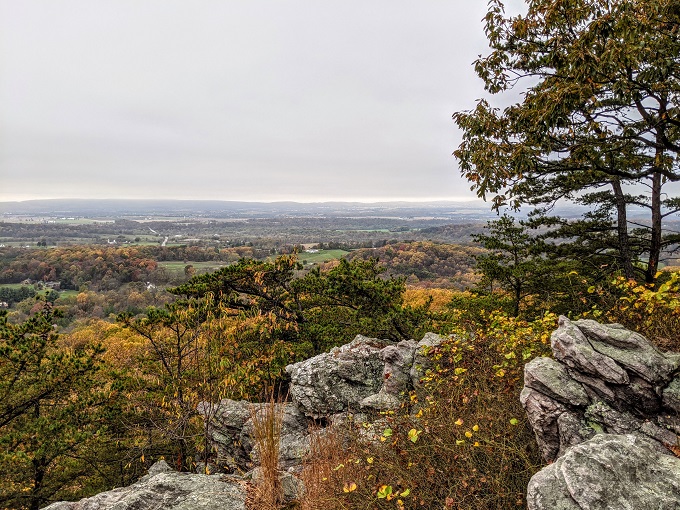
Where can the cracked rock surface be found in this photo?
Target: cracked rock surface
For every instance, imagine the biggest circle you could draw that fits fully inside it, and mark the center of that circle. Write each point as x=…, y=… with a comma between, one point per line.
x=167, y=489
x=604, y=379
x=367, y=374
x=606, y=414
x=608, y=472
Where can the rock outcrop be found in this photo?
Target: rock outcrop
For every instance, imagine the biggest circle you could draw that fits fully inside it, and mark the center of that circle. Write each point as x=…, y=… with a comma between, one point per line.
x=365, y=375
x=608, y=472
x=604, y=379
x=167, y=489
x=606, y=413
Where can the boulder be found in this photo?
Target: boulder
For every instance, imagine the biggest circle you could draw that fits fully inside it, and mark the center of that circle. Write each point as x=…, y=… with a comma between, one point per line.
x=363, y=376
x=604, y=378
x=230, y=431
x=421, y=361
x=608, y=472
x=338, y=380
x=167, y=489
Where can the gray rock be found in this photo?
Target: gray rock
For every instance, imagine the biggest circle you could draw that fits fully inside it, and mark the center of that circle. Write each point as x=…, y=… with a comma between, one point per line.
x=552, y=379
x=608, y=472
x=159, y=467
x=604, y=379
x=398, y=361
x=572, y=430
x=543, y=412
x=671, y=395
x=339, y=380
x=607, y=419
x=630, y=350
x=167, y=490
x=291, y=486
x=225, y=421
x=571, y=347
x=381, y=401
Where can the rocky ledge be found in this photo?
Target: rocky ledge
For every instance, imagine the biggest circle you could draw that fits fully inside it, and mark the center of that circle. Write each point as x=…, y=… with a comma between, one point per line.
x=167, y=489
x=606, y=413
x=604, y=378
x=364, y=375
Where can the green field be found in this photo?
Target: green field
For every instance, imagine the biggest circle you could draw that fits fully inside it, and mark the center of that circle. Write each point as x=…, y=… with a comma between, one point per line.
x=321, y=256
x=62, y=293
x=177, y=266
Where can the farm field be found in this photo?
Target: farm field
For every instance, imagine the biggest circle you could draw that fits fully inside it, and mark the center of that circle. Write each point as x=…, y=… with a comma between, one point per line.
x=177, y=267
x=321, y=256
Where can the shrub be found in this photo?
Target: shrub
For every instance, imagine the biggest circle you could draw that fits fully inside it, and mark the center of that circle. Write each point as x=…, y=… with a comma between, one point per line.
x=462, y=440
x=653, y=311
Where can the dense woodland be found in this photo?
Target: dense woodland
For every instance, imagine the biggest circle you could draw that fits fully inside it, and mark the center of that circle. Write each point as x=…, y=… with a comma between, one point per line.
x=101, y=377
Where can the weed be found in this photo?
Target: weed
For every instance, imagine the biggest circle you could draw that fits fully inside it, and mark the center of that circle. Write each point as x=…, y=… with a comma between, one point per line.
x=326, y=467
x=267, y=422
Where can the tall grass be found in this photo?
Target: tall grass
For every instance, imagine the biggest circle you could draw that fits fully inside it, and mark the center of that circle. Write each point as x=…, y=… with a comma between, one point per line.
x=267, y=423
x=324, y=470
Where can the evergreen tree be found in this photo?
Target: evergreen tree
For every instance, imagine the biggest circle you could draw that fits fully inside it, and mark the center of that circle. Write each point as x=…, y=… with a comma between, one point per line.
x=515, y=261
x=50, y=414
x=599, y=122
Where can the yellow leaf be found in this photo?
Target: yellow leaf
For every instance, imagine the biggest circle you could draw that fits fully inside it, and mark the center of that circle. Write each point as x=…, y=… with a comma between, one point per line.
x=350, y=487
x=475, y=428
x=458, y=422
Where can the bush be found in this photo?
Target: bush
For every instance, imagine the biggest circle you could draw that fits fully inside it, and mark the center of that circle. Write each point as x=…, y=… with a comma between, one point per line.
x=653, y=311
x=462, y=440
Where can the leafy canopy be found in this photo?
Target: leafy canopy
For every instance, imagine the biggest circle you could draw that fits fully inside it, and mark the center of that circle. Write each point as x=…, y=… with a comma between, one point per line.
x=321, y=308
x=598, y=122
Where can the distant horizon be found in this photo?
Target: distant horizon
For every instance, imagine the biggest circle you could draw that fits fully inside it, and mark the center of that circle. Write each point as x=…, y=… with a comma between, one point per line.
x=297, y=200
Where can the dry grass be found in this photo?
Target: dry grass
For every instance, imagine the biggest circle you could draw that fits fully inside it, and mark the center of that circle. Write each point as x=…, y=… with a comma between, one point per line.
x=324, y=471
x=267, y=422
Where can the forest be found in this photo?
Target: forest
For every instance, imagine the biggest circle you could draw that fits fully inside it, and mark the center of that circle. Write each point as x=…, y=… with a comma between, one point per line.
x=107, y=349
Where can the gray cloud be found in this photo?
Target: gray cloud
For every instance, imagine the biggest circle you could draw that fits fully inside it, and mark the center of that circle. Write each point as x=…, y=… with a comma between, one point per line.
x=261, y=99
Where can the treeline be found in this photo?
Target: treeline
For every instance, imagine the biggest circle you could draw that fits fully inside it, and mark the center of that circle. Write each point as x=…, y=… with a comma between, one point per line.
x=427, y=264
x=12, y=295
x=106, y=268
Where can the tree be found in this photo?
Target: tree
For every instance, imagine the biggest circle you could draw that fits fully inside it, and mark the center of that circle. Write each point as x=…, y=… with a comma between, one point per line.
x=598, y=124
x=49, y=413
x=514, y=260
x=179, y=368
x=232, y=333
x=321, y=308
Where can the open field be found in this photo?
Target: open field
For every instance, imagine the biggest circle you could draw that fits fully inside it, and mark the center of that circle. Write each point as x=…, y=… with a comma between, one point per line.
x=177, y=267
x=322, y=256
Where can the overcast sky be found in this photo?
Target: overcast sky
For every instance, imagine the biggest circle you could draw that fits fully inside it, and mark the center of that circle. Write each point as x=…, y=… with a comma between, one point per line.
x=237, y=100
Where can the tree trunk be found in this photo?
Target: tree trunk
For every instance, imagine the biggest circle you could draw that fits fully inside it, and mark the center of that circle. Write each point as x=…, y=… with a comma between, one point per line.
x=518, y=297
x=622, y=229
x=655, y=241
